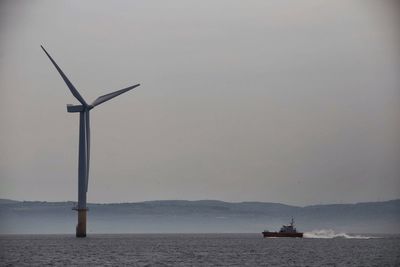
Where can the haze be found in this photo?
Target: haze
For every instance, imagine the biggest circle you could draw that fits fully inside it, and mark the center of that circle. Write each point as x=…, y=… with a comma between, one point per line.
x=283, y=101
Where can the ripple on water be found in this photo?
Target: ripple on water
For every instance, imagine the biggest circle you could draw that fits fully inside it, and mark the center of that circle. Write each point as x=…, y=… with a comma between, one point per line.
x=196, y=249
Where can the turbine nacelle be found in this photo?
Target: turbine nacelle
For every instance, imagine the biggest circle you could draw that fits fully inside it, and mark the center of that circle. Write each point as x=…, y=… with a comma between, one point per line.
x=78, y=108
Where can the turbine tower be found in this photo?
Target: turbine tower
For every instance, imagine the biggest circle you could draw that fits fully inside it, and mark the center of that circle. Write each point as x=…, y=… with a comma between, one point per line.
x=84, y=142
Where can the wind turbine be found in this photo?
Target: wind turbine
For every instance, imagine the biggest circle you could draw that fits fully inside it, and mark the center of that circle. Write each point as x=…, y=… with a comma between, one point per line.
x=84, y=142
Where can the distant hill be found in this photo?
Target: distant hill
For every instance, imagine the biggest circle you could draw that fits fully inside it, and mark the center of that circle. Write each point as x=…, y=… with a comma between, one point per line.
x=7, y=201
x=180, y=216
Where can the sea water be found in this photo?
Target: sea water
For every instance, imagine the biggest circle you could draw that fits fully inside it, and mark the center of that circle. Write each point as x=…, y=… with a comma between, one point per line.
x=317, y=249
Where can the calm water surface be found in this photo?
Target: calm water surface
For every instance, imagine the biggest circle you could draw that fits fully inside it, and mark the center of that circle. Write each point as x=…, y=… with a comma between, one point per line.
x=195, y=250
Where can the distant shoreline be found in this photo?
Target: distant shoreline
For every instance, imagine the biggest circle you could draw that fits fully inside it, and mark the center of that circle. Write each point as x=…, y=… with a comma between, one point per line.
x=10, y=201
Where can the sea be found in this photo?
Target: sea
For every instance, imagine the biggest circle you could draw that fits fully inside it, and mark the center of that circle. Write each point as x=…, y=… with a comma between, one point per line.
x=318, y=248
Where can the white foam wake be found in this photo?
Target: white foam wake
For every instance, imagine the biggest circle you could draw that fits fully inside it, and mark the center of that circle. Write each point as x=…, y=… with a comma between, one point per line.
x=323, y=233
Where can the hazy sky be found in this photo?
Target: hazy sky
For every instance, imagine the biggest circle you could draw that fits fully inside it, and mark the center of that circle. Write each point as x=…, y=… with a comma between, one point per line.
x=283, y=101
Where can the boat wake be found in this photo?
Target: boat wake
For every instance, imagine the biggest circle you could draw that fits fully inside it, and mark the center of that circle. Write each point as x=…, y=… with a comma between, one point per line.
x=331, y=234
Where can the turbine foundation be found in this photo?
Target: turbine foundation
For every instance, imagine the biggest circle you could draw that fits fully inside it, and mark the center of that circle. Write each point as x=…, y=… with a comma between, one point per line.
x=81, y=226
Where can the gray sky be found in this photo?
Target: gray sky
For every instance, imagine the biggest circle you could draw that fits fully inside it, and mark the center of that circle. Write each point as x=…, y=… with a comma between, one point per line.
x=284, y=101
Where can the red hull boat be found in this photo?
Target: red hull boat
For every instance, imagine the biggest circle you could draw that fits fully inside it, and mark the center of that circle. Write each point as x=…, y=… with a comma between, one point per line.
x=279, y=234
x=286, y=231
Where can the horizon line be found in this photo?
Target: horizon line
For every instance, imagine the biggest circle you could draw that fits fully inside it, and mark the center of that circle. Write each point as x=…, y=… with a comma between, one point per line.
x=199, y=200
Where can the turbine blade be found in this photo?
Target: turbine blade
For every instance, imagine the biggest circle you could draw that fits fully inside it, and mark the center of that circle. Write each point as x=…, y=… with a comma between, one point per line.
x=87, y=125
x=66, y=80
x=109, y=96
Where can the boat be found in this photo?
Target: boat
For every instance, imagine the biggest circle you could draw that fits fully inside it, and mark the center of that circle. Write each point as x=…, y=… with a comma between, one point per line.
x=286, y=231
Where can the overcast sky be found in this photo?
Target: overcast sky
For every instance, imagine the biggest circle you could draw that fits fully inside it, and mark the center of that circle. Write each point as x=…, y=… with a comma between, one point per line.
x=282, y=101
